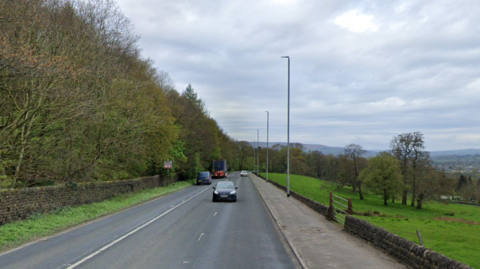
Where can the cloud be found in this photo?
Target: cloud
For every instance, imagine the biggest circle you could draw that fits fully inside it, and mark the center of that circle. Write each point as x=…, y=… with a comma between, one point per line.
x=361, y=71
x=356, y=22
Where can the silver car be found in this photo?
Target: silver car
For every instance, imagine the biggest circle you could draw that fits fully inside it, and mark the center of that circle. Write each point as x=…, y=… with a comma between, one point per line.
x=243, y=173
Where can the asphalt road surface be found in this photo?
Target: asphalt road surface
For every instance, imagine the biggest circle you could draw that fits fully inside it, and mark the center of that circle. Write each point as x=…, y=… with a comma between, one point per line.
x=182, y=230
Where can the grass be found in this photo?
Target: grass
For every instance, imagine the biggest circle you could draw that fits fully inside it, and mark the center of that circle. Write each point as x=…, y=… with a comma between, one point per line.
x=41, y=225
x=450, y=229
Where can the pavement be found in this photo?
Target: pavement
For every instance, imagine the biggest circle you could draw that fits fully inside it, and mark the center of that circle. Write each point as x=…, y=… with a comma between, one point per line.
x=316, y=241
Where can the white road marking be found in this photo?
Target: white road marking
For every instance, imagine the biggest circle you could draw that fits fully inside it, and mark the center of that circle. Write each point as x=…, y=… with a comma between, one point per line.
x=130, y=233
x=215, y=214
x=200, y=237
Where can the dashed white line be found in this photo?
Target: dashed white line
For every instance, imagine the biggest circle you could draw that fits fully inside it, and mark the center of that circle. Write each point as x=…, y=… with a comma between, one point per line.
x=132, y=232
x=200, y=237
x=215, y=214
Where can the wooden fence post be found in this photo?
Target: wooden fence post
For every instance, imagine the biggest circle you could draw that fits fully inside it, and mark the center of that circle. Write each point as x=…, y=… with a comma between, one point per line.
x=420, y=238
x=350, y=210
x=330, y=209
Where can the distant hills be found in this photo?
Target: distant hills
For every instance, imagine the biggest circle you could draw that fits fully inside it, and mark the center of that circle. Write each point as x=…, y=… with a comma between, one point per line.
x=460, y=152
x=370, y=153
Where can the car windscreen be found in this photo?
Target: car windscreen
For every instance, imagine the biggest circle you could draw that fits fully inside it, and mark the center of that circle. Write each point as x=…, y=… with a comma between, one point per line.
x=203, y=174
x=225, y=186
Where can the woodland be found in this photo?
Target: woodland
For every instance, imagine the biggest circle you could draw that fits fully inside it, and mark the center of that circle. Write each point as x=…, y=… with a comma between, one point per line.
x=78, y=103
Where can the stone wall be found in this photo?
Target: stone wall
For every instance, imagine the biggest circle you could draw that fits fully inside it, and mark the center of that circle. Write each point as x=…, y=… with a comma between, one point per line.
x=21, y=203
x=405, y=251
x=402, y=249
x=320, y=208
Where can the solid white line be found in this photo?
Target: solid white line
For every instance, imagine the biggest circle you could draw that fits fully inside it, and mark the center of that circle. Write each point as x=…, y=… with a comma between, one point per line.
x=130, y=233
x=200, y=237
x=215, y=214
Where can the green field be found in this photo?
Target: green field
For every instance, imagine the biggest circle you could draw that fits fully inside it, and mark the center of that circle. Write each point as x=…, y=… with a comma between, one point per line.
x=17, y=233
x=450, y=229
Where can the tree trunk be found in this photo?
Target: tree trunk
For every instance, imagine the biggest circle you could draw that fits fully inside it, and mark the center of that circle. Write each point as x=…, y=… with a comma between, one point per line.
x=404, y=197
x=385, y=197
x=24, y=136
x=414, y=195
x=419, y=201
x=360, y=191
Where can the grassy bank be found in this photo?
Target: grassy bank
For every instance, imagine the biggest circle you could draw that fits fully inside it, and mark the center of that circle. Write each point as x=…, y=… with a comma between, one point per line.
x=20, y=232
x=450, y=229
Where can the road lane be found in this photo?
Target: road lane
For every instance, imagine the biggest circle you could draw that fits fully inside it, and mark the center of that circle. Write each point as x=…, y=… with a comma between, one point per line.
x=69, y=247
x=211, y=235
x=196, y=234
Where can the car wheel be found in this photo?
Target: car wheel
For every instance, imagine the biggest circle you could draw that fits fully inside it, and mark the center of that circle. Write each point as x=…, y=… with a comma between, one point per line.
x=213, y=200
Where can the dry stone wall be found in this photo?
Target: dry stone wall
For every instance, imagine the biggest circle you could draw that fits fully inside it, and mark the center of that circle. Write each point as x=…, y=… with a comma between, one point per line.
x=402, y=249
x=19, y=204
x=320, y=208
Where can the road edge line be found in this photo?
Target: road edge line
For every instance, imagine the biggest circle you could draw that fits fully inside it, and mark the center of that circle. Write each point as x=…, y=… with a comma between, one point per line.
x=292, y=248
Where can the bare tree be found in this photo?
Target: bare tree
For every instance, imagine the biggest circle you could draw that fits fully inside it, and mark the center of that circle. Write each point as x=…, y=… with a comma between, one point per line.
x=408, y=149
x=355, y=152
x=431, y=184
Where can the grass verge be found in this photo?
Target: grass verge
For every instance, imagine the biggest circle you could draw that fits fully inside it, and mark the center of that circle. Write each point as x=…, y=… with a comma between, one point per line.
x=450, y=229
x=41, y=225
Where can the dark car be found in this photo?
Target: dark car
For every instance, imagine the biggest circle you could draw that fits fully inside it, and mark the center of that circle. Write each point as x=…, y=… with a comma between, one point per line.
x=204, y=178
x=225, y=191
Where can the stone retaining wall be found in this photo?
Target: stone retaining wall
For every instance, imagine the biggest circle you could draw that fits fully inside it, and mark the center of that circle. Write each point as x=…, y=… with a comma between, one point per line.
x=322, y=209
x=21, y=203
x=402, y=249
x=405, y=251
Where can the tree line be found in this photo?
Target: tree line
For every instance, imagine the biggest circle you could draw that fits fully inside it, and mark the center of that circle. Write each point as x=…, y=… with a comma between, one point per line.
x=78, y=103
x=405, y=173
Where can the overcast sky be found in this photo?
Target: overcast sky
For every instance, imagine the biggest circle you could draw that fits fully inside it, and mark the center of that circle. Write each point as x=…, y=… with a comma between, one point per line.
x=361, y=71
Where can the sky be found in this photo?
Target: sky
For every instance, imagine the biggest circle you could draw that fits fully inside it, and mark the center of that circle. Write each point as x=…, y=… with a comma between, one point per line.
x=361, y=72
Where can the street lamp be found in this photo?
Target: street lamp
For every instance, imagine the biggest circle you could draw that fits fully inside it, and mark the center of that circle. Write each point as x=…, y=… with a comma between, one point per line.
x=258, y=155
x=254, y=159
x=288, y=130
x=267, y=143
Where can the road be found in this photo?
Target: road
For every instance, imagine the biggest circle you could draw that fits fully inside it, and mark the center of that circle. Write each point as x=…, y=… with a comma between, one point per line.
x=181, y=230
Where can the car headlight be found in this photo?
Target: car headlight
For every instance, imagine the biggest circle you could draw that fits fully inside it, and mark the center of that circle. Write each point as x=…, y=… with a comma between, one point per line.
x=233, y=192
x=216, y=192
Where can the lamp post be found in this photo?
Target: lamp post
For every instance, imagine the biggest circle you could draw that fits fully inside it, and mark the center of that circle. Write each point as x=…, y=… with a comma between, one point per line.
x=258, y=155
x=254, y=159
x=267, y=144
x=288, y=130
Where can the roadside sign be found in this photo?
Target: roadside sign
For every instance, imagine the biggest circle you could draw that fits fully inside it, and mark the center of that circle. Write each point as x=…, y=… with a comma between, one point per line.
x=167, y=164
